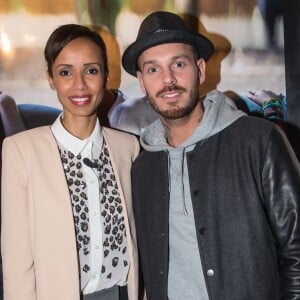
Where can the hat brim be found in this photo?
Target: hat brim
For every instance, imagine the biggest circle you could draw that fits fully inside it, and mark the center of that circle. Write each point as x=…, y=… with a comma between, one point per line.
x=203, y=46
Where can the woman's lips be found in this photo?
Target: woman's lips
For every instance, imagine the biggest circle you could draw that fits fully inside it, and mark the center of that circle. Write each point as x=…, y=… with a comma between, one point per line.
x=82, y=100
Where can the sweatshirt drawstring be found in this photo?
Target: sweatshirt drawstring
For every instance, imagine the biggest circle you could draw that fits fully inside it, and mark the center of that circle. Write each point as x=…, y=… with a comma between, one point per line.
x=185, y=211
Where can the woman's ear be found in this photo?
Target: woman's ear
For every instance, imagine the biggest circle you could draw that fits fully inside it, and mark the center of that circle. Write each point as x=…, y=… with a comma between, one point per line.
x=106, y=84
x=51, y=83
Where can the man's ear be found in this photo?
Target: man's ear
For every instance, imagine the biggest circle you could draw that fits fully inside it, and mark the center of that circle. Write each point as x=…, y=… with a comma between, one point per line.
x=201, y=66
x=141, y=82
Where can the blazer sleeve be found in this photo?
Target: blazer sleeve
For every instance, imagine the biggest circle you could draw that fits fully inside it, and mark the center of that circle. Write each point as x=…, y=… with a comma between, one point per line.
x=16, y=247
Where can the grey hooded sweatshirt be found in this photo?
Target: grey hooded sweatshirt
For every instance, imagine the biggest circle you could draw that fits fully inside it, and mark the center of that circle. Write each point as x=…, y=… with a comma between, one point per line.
x=185, y=278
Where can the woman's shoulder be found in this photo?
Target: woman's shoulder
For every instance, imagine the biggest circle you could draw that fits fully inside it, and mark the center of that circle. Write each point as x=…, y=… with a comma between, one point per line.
x=121, y=140
x=30, y=135
x=34, y=131
x=116, y=133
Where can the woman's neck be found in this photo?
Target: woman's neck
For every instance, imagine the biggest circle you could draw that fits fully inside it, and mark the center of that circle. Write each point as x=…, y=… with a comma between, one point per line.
x=81, y=127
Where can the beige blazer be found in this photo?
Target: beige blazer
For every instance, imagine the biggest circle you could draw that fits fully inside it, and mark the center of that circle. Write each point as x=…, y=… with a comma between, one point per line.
x=38, y=241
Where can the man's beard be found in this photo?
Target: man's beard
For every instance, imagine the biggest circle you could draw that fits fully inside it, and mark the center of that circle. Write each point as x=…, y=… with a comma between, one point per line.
x=175, y=112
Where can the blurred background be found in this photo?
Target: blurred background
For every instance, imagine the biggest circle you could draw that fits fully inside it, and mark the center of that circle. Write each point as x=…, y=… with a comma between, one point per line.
x=248, y=36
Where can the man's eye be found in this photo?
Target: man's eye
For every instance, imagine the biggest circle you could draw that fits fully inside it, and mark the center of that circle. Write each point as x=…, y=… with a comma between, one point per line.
x=152, y=70
x=65, y=73
x=93, y=71
x=179, y=64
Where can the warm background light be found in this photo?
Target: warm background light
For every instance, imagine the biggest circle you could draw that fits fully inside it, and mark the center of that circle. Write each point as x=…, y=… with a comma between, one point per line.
x=25, y=26
x=5, y=43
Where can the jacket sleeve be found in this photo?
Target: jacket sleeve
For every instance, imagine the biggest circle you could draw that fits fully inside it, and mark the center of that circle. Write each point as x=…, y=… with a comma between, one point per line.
x=281, y=184
x=18, y=264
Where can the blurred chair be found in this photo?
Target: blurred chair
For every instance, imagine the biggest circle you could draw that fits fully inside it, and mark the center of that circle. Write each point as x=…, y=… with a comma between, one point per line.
x=19, y=117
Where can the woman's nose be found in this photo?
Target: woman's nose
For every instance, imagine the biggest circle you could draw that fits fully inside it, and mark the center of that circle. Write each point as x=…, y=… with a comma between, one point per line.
x=80, y=82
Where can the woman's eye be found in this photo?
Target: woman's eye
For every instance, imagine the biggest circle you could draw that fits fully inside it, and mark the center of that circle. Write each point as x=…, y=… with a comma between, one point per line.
x=93, y=71
x=65, y=73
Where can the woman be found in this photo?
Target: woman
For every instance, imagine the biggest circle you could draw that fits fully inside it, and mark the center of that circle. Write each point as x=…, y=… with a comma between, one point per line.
x=68, y=230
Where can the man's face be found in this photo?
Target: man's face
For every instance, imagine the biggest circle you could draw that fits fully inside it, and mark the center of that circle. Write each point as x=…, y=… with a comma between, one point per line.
x=170, y=75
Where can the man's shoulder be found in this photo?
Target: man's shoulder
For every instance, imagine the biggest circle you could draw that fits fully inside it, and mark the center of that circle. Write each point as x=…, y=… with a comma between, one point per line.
x=250, y=132
x=150, y=158
x=251, y=123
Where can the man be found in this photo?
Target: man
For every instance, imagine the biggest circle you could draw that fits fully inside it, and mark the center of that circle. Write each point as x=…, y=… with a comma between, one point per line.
x=135, y=114
x=216, y=192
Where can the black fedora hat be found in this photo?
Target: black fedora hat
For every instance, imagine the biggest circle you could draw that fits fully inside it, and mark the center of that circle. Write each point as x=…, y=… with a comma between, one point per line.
x=163, y=27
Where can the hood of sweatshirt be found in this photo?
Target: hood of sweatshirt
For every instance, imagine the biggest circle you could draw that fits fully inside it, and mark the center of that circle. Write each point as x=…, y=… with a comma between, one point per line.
x=219, y=113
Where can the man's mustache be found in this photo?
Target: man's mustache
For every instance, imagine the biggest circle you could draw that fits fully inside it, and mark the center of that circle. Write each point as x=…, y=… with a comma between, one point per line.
x=172, y=88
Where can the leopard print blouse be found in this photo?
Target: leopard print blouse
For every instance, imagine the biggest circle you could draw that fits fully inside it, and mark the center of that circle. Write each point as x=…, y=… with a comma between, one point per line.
x=115, y=260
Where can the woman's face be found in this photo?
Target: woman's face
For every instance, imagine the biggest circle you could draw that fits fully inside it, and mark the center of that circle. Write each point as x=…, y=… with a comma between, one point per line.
x=79, y=78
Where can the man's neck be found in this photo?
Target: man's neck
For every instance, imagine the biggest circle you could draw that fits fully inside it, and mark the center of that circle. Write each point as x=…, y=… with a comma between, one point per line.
x=181, y=129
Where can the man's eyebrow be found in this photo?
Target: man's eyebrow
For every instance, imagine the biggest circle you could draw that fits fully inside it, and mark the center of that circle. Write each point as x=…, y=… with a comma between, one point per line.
x=175, y=57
